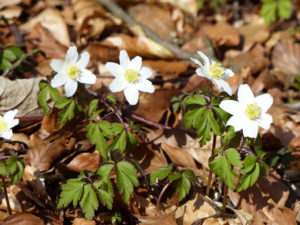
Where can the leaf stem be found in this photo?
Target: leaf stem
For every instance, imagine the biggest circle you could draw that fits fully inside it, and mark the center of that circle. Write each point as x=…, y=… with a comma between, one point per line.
x=210, y=172
x=6, y=195
x=225, y=197
x=161, y=194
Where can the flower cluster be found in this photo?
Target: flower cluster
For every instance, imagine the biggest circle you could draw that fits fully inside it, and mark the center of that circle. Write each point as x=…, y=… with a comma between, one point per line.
x=7, y=122
x=248, y=112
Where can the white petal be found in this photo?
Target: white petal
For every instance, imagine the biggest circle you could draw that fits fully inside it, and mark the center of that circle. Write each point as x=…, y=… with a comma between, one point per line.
x=135, y=63
x=71, y=55
x=250, y=129
x=146, y=72
x=131, y=94
x=223, y=85
x=201, y=72
x=228, y=73
x=10, y=115
x=124, y=58
x=7, y=135
x=83, y=60
x=265, y=121
x=70, y=87
x=58, y=80
x=245, y=94
x=206, y=60
x=231, y=106
x=264, y=101
x=87, y=77
x=117, y=85
x=196, y=61
x=236, y=122
x=145, y=86
x=56, y=65
x=115, y=69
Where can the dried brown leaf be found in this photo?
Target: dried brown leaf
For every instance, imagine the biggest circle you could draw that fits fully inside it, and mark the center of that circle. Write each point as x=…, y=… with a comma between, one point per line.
x=82, y=221
x=85, y=162
x=4, y=3
x=23, y=219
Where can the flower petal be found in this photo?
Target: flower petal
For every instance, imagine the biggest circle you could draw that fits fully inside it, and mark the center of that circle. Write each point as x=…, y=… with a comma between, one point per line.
x=245, y=94
x=70, y=87
x=196, y=61
x=231, y=106
x=7, y=135
x=265, y=121
x=10, y=115
x=131, y=94
x=117, y=85
x=56, y=65
x=145, y=86
x=250, y=128
x=135, y=63
x=58, y=80
x=206, y=60
x=146, y=72
x=236, y=122
x=124, y=58
x=71, y=55
x=115, y=69
x=228, y=73
x=200, y=72
x=223, y=85
x=87, y=77
x=83, y=60
x=264, y=101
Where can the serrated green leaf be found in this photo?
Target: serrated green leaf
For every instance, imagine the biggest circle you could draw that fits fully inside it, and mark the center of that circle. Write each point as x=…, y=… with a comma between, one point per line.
x=68, y=113
x=96, y=137
x=19, y=172
x=285, y=8
x=9, y=55
x=126, y=179
x=160, y=173
x=110, y=130
x=249, y=164
x=183, y=187
x=194, y=118
x=93, y=106
x=42, y=97
x=17, y=51
x=5, y=64
x=104, y=172
x=62, y=102
x=112, y=99
x=89, y=202
x=119, y=143
x=131, y=141
x=194, y=100
x=213, y=123
x=249, y=179
x=105, y=198
x=71, y=191
x=221, y=114
x=268, y=11
x=221, y=167
x=231, y=139
x=233, y=157
x=190, y=175
x=175, y=176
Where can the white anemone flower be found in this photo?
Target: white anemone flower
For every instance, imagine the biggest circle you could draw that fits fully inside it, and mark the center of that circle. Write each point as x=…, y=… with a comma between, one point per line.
x=71, y=71
x=7, y=122
x=248, y=112
x=215, y=72
x=130, y=76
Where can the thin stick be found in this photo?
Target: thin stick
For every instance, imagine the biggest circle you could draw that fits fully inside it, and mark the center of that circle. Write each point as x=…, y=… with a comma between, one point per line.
x=225, y=197
x=161, y=194
x=6, y=195
x=124, y=16
x=210, y=172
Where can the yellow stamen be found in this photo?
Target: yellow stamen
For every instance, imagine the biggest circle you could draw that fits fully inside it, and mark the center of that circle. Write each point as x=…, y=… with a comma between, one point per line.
x=253, y=111
x=216, y=71
x=3, y=126
x=131, y=76
x=73, y=72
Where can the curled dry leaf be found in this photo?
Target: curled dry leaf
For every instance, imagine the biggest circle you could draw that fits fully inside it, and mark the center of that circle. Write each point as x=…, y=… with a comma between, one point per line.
x=82, y=221
x=4, y=3
x=141, y=46
x=168, y=218
x=286, y=58
x=14, y=202
x=21, y=94
x=85, y=162
x=157, y=18
x=22, y=219
x=51, y=20
x=223, y=34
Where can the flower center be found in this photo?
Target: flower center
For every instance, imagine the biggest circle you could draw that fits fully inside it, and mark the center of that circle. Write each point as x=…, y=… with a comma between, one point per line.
x=3, y=126
x=216, y=70
x=131, y=76
x=253, y=111
x=73, y=72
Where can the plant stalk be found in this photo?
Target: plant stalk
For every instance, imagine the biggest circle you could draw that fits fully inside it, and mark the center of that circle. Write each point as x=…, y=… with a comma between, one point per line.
x=210, y=172
x=6, y=195
x=225, y=197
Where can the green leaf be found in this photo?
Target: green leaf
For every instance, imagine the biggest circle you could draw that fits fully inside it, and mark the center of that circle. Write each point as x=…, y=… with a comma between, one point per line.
x=221, y=167
x=249, y=179
x=42, y=97
x=213, y=123
x=231, y=139
x=268, y=11
x=112, y=99
x=119, y=143
x=131, y=141
x=183, y=187
x=249, y=164
x=190, y=175
x=67, y=113
x=160, y=173
x=8, y=166
x=285, y=8
x=194, y=118
x=110, y=130
x=96, y=137
x=194, y=100
x=62, y=102
x=126, y=179
x=89, y=202
x=17, y=51
x=221, y=114
x=71, y=191
x=92, y=107
x=233, y=157
x=104, y=172
x=175, y=176
x=9, y=55
x=105, y=198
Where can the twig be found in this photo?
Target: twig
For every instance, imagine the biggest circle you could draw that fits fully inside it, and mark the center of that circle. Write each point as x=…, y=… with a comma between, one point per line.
x=161, y=194
x=6, y=195
x=210, y=172
x=225, y=197
x=119, y=12
x=30, y=118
